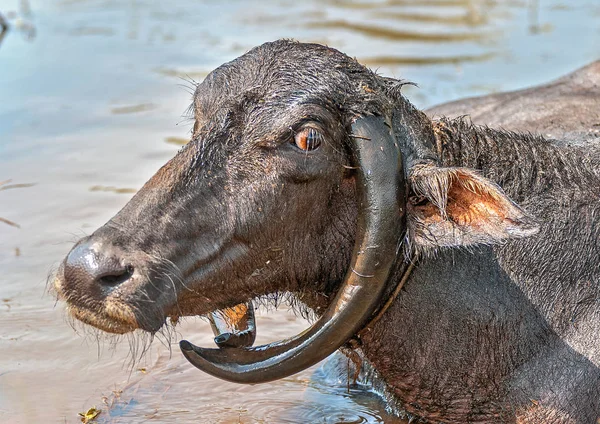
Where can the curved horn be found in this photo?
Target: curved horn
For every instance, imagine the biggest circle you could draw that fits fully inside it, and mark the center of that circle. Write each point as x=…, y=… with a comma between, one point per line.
x=380, y=188
x=234, y=327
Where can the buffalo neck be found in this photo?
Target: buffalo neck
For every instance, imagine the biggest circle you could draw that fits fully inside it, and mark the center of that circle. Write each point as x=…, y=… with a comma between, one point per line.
x=523, y=164
x=556, y=184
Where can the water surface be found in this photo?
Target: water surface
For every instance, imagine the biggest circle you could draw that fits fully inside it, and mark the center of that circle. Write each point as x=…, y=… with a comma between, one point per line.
x=93, y=95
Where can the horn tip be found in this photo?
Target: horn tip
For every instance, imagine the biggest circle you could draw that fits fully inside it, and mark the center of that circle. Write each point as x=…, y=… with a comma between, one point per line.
x=186, y=346
x=222, y=339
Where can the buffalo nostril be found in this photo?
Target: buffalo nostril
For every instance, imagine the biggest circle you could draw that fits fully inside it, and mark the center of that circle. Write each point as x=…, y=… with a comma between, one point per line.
x=96, y=267
x=116, y=277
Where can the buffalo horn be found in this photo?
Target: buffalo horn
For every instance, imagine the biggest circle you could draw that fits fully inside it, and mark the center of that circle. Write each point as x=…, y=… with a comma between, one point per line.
x=380, y=188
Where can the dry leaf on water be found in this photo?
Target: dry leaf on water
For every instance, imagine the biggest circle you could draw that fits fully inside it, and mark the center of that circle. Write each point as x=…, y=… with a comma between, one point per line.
x=89, y=415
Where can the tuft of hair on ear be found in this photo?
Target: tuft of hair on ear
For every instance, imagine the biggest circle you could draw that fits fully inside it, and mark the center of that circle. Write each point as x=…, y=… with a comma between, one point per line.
x=457, y=207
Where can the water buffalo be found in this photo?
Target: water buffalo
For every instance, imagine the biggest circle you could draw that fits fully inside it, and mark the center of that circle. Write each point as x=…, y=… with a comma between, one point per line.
x=310, y=174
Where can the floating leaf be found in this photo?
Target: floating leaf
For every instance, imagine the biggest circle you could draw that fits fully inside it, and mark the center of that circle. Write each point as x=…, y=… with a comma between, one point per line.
x=89, y=415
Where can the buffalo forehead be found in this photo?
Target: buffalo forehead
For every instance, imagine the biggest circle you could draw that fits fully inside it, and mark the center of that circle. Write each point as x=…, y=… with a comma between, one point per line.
x=283, y=72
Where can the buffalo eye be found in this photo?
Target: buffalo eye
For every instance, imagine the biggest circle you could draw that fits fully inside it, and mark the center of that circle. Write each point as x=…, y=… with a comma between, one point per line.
x=308, y=139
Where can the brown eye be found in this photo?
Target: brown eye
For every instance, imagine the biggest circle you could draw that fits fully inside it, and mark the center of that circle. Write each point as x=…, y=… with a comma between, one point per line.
x=308, y=139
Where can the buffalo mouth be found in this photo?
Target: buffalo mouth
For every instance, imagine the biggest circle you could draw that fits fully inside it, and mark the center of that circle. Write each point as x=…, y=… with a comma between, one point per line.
x=233, y=327
x=111, y=315
x=119, y=312
x=116, y=318
x=115, y=313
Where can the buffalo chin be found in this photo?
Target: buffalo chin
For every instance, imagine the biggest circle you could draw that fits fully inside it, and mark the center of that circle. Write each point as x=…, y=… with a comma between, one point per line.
x=115, y=318
x=112, y=317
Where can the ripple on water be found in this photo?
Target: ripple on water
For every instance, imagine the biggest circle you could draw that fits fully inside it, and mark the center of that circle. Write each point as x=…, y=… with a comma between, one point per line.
x=288, y=401
x=174, y=391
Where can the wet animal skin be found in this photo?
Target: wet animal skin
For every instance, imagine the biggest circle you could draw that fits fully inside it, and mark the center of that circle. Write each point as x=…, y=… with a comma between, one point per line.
x=499, y=320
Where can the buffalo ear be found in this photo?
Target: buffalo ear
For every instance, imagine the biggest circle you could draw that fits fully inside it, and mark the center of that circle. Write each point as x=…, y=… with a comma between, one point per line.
x=457, y=207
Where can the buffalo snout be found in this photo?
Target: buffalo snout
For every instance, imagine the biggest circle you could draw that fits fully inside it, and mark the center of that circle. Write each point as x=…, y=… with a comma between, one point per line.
x=97, y=267
x=105, y=285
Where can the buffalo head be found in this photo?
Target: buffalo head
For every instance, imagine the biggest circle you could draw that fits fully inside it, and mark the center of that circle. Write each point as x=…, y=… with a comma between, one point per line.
x=306, y=173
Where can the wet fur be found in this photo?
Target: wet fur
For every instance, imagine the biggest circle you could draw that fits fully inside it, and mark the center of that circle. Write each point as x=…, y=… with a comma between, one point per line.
x=484, y=331
x=518, y=323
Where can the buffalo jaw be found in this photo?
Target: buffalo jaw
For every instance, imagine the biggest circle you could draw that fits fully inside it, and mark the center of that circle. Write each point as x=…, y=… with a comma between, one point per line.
x=381, y=225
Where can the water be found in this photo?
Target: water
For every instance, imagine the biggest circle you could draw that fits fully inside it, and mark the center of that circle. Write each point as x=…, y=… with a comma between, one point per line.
x=92, y=102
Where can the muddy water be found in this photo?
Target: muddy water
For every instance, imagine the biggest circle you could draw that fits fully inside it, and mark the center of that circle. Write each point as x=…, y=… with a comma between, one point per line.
x=93, y=97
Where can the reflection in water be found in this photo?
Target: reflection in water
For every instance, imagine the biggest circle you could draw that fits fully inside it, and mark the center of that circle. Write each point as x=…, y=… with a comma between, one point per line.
x=98, y=97
x=177, y=140
x=3, y=27
x=113, y=189
x=92, y=31
x=185, y=75
x=461, y=31
x=132, y=109
x=470, y=19
x=313, y=396
x=20, y=21
x=376, y=31
x=425, y=61
x=401, y=3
